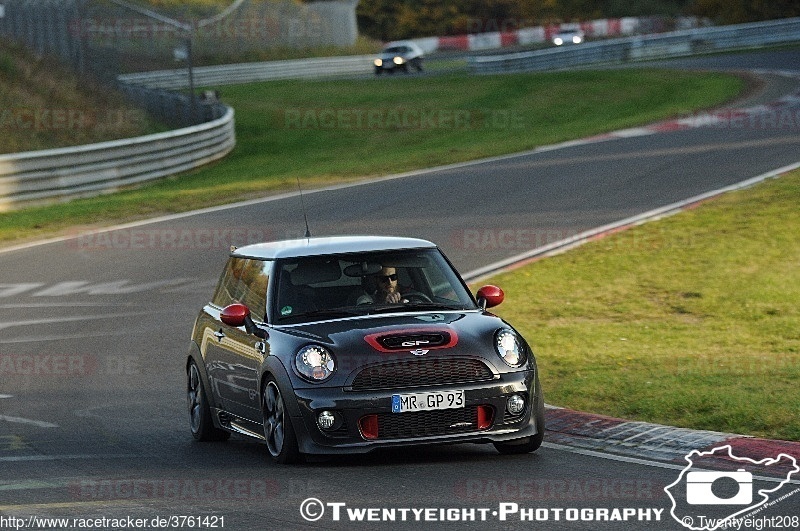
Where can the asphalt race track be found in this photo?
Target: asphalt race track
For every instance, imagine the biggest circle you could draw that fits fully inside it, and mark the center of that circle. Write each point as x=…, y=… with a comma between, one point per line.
x=94, y=329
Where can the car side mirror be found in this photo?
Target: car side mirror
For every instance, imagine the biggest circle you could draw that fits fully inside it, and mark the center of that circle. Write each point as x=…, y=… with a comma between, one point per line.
x=236, y=315
x=490, y=296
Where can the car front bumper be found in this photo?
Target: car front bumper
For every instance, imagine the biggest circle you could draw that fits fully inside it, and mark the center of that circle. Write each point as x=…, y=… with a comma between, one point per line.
x=445, y=426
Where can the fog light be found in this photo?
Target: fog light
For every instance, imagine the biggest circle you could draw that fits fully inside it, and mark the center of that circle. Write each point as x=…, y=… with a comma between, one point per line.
x=515, y=404
x=326, y=420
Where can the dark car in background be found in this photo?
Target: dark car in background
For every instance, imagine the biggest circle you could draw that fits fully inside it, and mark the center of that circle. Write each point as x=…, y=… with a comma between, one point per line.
x=399, y=56
x=297, y=349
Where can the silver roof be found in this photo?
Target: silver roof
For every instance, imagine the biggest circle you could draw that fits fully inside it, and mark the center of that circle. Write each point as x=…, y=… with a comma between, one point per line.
x=329, y=245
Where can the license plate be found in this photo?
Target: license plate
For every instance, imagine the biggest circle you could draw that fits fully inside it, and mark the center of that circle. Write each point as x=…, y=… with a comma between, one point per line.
x=427, y=401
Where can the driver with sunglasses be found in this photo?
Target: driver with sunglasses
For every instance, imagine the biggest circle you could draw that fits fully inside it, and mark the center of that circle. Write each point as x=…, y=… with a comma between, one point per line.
x=385, y=288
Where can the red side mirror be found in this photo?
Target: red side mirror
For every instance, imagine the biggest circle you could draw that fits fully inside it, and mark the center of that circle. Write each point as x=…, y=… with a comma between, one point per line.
x=491, y=295
x=235, y=314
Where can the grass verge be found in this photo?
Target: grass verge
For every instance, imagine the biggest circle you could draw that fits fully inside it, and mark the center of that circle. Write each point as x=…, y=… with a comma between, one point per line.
x=333, y=131
x=690, y=321
x=44, y=105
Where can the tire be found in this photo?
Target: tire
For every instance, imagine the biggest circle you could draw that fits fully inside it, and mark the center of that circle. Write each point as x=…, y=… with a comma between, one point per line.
x=200, y=420
x=278, y=430
x=530, y=444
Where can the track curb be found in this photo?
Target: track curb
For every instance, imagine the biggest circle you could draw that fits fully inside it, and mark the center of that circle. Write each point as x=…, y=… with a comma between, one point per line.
x=646, y=440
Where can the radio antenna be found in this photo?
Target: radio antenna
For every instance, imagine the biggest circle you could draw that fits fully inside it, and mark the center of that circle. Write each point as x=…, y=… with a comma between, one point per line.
x=303, y=204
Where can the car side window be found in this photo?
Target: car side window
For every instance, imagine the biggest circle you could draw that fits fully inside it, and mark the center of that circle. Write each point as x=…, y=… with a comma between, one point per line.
x=228, y=283
x=254, y=288
x=246, y=281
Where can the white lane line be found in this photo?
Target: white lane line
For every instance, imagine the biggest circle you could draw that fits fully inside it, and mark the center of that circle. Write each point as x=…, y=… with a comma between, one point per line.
x=22, y=458
x=653, y=215
x=64, y=337
x=20, y=420
x=66, y=305
x=30, y=484
x=6, y=396
x=87, y=318
x=640, y=461
x=612, y=457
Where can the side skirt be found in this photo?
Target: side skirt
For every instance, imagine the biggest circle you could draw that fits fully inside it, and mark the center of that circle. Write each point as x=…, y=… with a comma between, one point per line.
x=235, y=424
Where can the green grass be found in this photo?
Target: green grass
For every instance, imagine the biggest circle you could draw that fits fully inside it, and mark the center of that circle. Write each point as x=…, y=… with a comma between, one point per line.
x=691, y=321
x=284, y=132
x=43, y=105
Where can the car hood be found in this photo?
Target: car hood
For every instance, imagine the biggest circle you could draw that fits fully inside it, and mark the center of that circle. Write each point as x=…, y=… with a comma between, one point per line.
x=356, y=343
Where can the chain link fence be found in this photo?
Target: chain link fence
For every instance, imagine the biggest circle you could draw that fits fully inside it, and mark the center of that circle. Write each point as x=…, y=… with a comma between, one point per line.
x=106, y=38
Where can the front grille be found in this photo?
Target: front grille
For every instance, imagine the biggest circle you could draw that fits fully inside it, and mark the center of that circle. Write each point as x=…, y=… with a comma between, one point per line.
x=421, y=372
x=427, y=423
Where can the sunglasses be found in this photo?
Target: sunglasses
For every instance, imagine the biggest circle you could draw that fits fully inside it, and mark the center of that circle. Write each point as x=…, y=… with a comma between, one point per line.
x=387, y=278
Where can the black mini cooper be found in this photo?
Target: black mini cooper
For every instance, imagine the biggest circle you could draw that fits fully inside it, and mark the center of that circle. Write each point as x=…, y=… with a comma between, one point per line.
x=348, y=344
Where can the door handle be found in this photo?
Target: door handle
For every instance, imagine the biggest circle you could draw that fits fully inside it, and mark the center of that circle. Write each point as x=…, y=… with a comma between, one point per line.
x=219, y=334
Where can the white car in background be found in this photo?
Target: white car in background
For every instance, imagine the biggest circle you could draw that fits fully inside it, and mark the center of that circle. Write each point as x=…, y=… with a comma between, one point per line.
x=399, y=56
x=569, y=37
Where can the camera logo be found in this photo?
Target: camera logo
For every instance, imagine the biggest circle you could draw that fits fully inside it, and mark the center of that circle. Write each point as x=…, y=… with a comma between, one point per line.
x=700, y=488
x=718, y=487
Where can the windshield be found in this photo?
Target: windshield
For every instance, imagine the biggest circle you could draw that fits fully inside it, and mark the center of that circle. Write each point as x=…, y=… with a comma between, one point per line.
x=326, y=287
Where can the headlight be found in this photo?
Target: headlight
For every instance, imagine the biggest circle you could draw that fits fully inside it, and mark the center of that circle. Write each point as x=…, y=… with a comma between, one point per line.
x=509, y=347
x=315, y=363
x=558, y=41
x=399, y=60
x=378, y=62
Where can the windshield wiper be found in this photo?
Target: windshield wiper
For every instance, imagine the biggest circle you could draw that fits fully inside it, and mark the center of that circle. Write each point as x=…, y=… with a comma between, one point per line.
x=415, y=307
x=326, y=313
x=434, y=306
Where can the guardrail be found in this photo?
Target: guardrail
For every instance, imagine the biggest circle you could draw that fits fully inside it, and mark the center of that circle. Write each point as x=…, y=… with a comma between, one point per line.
x=674, y=44
x=253, y=72
x=92, y=168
